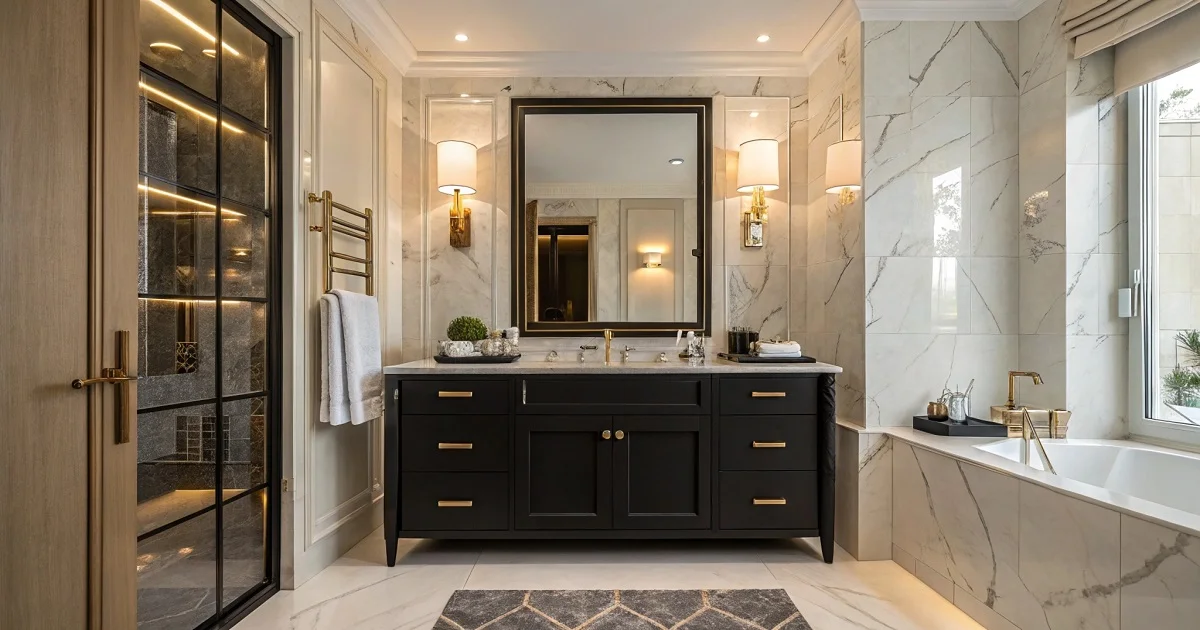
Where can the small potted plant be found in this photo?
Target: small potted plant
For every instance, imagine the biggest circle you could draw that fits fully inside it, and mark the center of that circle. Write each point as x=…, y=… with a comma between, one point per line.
x=463, y=333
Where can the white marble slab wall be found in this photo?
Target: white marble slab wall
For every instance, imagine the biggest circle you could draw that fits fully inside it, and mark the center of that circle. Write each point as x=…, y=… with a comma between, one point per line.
x=863, y=496
x=1013, y=554
x=441, y=282
x=1074, y=228
x=833, y=261
x=941, y=212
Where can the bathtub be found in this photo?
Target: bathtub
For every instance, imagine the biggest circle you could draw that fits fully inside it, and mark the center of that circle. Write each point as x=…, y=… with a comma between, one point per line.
x=1163, y=476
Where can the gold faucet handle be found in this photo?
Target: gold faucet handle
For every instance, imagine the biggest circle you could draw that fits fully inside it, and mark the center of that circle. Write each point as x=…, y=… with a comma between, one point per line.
x=608, y=334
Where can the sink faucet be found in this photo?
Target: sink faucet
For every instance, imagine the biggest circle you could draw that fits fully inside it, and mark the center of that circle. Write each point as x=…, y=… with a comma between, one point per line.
x=625, y=353
x=1012, y=385
x=608, y=337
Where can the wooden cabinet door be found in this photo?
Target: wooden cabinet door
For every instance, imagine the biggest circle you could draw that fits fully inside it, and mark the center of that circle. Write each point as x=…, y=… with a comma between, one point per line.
x=662, y=472
x=564, y=472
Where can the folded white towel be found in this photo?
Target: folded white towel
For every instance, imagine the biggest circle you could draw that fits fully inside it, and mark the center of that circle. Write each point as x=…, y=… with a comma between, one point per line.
x=785, y=348
x=335, y=405
x=364, y=357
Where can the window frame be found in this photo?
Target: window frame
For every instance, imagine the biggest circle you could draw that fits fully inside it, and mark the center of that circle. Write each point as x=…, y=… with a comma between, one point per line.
x=1143, y=273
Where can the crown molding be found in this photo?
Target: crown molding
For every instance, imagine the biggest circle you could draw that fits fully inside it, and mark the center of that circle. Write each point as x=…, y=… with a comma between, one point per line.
x=587, y=64
x=827, y=38
x=944, y=10
x=383, y=30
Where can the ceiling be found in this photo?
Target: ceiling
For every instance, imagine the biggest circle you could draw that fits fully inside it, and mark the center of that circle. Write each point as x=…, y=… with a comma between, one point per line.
x=609, y=26
x=634, y=38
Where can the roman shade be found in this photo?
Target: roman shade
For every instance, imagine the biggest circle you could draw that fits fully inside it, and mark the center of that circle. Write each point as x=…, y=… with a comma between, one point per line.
x=1152, y=38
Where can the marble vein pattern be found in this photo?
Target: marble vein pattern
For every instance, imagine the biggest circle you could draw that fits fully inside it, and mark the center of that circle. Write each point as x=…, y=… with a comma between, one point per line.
x=1160, y=576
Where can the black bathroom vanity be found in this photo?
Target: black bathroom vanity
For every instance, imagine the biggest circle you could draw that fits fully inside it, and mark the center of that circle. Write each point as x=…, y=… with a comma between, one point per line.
x=541, y=450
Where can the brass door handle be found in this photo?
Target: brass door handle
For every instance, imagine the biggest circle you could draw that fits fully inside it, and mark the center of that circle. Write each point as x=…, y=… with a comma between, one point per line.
x=768, y=394
x=770, y=502
x=455, y=446
x=768, y=444
x=606, y=434
x=445, y=394
x=116, y=376
x=455, y=504
x=620, y=434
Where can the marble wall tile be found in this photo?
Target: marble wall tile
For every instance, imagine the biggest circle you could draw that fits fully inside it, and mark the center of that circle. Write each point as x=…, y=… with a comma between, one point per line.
x=874, y=459
x=994, y=202
x=994, y=59
x=1070, y=553
x=886, y=59
x=1046, y=355
x=1042, y=295
x=758, y=298
x=918, y=294
x=1043, y=50
x=1097, y=386
x=1081, y=303
x=939, y=61
x=993, y=287
x=1160, y=576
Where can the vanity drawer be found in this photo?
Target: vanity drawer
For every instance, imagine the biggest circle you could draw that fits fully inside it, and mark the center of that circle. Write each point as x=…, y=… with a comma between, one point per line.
x=454, y=443
x=614, y=395
x=768, y=396
x=463, y=397
x=768, y=443
x=768, y=500
x=453, y=501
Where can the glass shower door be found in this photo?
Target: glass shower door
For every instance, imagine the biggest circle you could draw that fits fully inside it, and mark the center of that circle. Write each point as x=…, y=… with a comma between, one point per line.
x=208, y=314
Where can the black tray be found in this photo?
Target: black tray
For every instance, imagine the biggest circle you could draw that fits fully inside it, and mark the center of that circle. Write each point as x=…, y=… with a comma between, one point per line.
x=754, y=358
x=973, y=427
x=441, y=359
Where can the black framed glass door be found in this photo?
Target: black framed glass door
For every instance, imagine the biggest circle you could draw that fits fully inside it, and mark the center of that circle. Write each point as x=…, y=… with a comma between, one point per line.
x=209, y=314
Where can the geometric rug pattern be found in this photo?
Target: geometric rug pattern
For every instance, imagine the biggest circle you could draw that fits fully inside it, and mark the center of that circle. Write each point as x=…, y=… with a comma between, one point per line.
x=742, y=609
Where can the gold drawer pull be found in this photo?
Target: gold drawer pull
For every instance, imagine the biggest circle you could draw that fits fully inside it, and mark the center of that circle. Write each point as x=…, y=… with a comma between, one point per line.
x=768, y=444
x=455, y=446
x=768, y=394
x=451, y=504
x=445, y=394
x=770, y=502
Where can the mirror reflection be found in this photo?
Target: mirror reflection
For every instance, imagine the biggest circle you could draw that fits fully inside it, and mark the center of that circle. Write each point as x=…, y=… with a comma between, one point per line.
x=611, y=217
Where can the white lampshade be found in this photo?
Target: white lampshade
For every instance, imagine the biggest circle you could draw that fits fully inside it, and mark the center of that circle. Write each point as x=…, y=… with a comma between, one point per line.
x=758, y=165
x=652, y=259
x=456, y=167
x=843, y=166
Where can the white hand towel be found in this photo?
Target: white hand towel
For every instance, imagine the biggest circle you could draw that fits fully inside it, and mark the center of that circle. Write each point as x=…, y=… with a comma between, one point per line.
x=364, y=357
x=782, y=348
x=335, y=405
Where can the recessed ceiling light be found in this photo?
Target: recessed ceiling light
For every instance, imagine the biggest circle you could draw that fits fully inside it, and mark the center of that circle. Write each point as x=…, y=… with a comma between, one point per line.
x=211, y=52
x=675, y=161
x=754, y=114
x=461, y=37
x=764, y=38
x=463, y=95
x=165, y=48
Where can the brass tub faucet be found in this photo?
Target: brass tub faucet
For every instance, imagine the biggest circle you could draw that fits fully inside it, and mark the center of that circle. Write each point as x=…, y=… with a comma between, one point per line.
x=1012, y=385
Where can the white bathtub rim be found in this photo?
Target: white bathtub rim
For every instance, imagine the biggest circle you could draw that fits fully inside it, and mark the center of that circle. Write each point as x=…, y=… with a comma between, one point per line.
x=963, y=449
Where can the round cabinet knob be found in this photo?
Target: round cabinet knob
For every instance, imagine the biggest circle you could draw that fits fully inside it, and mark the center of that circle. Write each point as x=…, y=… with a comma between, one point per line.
x=620, y=435
x=607, y=434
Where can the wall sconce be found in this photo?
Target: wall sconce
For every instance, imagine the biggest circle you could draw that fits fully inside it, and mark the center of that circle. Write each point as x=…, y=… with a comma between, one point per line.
x=652, y=260
x=758, y=172
x=843, y=165
x=456, y=176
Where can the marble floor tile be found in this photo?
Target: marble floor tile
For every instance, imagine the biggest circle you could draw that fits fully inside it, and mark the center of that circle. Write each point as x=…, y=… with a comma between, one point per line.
x=360, y=592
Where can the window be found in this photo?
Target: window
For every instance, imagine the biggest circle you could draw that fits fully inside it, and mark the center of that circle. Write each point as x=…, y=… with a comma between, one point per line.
x=1165, y=255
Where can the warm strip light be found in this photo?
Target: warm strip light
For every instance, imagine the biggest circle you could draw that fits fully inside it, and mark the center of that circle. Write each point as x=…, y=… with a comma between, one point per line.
x=173, y=12
x=158, y=191
x=190, y=300
x=205, y=115
x=165, y=46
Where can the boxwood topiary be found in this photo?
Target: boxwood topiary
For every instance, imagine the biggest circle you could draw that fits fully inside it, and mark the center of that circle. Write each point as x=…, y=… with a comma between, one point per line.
x=466, y=328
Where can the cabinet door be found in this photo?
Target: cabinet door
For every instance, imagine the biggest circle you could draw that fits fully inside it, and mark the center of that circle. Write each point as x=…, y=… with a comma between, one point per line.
x=662, y=472
x=564, y=472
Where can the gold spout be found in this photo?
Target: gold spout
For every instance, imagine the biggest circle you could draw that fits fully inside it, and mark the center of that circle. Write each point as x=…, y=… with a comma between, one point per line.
x=1012, y=385
x=608, y=337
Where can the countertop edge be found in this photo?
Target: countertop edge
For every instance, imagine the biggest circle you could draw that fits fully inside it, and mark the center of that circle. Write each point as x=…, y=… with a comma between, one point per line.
x=717, y=366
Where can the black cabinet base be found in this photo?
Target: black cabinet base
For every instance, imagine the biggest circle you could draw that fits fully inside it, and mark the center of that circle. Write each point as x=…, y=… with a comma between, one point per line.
x=635, y=534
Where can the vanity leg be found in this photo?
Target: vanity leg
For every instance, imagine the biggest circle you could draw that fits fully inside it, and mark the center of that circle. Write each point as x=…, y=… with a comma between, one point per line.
x=391, y=471
x=827, y=447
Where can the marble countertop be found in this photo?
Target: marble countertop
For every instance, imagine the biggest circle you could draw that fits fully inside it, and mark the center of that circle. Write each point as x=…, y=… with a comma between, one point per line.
x=567, y=365
x=963, y=448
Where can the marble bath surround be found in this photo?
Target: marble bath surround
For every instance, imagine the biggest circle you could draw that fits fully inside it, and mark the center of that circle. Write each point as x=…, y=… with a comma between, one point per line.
x=1017, y=547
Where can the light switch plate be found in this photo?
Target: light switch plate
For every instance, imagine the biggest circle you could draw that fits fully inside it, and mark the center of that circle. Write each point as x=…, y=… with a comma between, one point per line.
x=1124, y=302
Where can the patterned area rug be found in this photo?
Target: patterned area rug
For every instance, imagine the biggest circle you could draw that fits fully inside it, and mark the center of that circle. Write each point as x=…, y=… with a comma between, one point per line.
x=621, y=610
